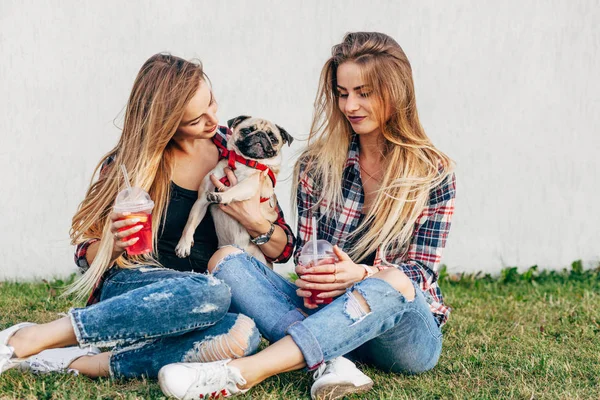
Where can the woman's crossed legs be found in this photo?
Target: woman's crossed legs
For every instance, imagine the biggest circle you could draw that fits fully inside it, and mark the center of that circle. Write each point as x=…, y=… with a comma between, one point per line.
x=150, y=317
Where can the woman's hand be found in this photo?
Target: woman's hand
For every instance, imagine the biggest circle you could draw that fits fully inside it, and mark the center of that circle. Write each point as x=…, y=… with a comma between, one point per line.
x=333, y=279
x=246, y=212
x=302, y=292
x=120, y=221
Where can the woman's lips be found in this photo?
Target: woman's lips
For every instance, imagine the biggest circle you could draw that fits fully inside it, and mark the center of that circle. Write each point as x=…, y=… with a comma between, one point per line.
x=356, y=120
x=213, y=129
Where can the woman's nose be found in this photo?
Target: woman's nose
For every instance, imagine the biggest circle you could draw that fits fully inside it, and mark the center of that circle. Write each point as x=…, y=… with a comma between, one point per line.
x=351, y=103
x=212, y=117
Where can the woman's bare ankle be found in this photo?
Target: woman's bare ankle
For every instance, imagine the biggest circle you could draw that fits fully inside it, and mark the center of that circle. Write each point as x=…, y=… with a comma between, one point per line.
x=251, y=375
x=93, y=366
x=21, y=341
x=32, y=339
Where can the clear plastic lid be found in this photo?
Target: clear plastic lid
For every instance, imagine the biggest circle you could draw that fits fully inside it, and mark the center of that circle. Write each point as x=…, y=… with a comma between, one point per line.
x=133, y=199
x=307, y=254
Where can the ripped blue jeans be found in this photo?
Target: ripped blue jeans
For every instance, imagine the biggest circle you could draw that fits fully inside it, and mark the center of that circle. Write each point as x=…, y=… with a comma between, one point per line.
x=151, y=317
x=395, y=335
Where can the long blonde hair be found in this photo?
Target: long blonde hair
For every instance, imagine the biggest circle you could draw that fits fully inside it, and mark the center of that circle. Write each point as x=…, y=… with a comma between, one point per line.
x=414, y=165
x=161, y=91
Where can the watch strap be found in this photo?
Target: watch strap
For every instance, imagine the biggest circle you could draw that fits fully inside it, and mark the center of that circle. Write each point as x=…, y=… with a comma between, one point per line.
x=265, y=237
x=369, y=271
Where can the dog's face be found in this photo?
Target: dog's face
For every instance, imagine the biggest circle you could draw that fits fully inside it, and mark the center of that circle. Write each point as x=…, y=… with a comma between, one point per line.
x=258, y=138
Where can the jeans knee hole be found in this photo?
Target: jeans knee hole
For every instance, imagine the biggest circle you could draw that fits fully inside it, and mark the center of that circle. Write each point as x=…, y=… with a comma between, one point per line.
x=356, y=307
x=232, y=344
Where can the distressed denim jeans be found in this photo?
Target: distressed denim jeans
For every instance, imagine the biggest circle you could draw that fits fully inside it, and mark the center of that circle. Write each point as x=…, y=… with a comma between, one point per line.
x=151, y=317
x=395, y=335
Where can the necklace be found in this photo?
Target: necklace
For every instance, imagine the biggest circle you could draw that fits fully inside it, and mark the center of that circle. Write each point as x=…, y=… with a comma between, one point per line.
x=363, y=169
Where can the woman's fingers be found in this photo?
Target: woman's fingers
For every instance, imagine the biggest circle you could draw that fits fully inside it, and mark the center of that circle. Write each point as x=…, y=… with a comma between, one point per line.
x=123, y=245
x=215, y=181
x=231, y=176
x=333, y=293
x=326, y=287
x=114, y=216
x=309, y=305
x=322, y=269
x=323, y=278
x=300, y=283
x=300, y=270
x=306, y=295
x=128, y=232
x=123, y=223
x=303, y=293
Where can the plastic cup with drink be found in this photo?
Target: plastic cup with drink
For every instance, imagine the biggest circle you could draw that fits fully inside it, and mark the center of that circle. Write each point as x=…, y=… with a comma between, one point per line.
x=317, y=252
x=136, y=203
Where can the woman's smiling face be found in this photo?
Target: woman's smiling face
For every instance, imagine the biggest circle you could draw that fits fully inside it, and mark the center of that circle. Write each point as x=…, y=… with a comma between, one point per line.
x=355, y=100
x=200, y=116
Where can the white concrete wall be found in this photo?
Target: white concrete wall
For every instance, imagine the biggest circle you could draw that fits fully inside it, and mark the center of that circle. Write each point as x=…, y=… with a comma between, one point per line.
x=509, y=89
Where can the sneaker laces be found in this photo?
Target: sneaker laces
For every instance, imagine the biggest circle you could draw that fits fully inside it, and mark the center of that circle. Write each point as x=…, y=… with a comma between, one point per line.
x=42, y=366
x=218, y=376
x=6, y=351
x=321, y=370
x=45, y=366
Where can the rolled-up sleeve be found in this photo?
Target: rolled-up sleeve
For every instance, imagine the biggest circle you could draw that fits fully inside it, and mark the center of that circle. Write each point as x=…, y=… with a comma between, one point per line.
x=422, y=261
x=288, y=250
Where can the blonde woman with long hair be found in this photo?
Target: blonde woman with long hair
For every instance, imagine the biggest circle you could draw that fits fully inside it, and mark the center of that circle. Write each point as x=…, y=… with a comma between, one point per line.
x=383, y=194
x=153, y=309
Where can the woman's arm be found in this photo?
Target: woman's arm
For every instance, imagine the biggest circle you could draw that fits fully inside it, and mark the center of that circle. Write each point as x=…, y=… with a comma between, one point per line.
x=420, y=264
x=424, y=255
x=86, y=251
x=280, y=246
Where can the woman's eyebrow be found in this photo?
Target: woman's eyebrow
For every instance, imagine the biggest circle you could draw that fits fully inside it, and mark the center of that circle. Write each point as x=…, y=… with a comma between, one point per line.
x=356, y=88
x=192, y=120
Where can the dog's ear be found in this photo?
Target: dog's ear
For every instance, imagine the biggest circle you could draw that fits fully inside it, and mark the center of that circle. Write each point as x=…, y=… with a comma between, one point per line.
x=232, y=123
x=286, y=137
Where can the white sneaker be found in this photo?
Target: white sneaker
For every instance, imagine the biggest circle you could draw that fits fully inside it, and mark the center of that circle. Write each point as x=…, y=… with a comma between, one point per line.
x=337, y=378
x=200, y=380
x=6, y=352
x=57, y=360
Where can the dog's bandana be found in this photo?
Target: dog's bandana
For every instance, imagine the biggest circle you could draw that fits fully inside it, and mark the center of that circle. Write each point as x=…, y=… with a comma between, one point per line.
x=233, y=158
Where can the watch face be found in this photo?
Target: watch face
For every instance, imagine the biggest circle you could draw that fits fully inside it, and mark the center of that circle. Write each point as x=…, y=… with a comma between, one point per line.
x=264, y=238
x=260, y=240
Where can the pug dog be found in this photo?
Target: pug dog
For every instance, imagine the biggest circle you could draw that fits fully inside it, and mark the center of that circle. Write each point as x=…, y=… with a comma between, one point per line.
x=254, y=146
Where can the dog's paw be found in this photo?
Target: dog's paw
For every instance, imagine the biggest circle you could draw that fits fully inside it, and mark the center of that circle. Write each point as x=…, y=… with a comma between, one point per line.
x=213, y=197
x=184, y=247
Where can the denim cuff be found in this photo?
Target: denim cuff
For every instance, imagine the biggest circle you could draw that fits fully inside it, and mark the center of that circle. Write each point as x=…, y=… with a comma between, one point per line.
x=308, y=344
x=279, y=330
x=83, y=338
x=77, y=326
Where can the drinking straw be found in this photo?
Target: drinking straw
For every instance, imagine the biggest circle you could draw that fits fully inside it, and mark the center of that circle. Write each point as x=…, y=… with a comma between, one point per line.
x=124, y=170
x=314, y=240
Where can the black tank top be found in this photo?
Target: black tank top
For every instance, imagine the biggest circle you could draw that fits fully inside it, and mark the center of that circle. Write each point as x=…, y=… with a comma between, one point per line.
x=368, y=259
x=205, y=237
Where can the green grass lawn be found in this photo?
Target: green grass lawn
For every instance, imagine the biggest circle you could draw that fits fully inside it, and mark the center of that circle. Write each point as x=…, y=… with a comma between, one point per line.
x=523, y=336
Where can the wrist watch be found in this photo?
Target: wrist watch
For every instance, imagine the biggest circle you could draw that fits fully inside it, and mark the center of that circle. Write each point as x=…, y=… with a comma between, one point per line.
x=265, y=237
x=368, y=271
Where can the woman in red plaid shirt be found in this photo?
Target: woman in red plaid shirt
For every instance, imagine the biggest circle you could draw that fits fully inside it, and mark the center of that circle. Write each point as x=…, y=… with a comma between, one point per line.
x=383, y=194
x=154, y=309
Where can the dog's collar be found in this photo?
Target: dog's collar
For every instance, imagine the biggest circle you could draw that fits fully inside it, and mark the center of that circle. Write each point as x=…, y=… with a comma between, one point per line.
x=233, y=158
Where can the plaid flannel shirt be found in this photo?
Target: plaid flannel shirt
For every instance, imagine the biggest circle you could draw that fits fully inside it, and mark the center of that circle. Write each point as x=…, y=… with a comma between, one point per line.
x=220, y=140
x=422, y=259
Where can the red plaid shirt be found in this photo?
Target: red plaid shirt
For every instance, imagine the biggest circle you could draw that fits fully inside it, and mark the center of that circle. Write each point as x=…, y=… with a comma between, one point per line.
x=220, y=140
x=422, y=260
